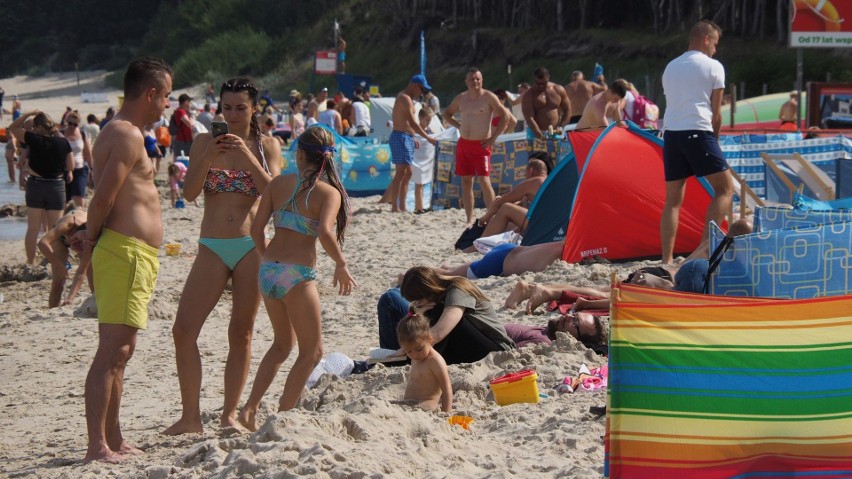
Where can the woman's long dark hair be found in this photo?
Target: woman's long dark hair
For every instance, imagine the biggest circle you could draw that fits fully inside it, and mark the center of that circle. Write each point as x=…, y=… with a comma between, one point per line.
x=422, y=282
x=239, y=85
x=317, y=144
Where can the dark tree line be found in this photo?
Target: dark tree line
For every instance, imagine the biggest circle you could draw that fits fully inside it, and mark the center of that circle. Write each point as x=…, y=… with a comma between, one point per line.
x=757, y=18
x=57, y=35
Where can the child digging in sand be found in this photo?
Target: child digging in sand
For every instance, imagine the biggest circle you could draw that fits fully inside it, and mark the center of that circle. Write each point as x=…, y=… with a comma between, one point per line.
x=428, y=381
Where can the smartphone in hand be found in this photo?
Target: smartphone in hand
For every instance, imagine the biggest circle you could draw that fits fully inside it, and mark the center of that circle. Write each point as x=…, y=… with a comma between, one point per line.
x=218, y=128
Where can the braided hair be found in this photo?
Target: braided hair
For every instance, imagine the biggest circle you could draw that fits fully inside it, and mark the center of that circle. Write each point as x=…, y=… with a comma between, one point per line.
x=317, y=144
x=245, y=84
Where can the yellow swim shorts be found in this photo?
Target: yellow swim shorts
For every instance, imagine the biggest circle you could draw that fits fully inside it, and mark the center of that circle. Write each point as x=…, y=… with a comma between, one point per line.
x=125, y=273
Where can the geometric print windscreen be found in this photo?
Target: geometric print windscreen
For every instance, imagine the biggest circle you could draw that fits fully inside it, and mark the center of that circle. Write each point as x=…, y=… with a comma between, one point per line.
x=792, y=263
x=774, y=218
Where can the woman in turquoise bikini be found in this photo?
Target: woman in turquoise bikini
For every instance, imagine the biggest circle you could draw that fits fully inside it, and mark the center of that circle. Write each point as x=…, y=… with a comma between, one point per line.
x=303, y=209
x=231, y=170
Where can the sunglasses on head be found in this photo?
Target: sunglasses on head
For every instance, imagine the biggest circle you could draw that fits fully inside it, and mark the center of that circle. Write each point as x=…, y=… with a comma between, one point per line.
x=583, y=338
x=238, y=85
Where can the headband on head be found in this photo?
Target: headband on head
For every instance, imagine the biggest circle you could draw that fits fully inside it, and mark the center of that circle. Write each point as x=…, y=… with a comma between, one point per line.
x=318, y=148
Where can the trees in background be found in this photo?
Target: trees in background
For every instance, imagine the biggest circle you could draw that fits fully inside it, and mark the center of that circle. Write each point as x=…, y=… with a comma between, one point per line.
x=760, y=18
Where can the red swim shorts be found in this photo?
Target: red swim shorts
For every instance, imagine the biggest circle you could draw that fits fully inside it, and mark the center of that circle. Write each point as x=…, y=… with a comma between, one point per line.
x=472, y=159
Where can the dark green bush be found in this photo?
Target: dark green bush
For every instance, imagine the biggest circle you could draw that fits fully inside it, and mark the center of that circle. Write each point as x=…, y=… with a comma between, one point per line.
x=224, y=55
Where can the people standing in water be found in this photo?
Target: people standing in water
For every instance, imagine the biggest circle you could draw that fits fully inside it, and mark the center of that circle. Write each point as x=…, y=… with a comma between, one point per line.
x=231, y=170
x=304, y=208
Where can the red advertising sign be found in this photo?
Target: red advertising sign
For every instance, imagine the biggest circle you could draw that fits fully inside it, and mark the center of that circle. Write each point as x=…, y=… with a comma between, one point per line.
x=325, y=62
x=821, y=23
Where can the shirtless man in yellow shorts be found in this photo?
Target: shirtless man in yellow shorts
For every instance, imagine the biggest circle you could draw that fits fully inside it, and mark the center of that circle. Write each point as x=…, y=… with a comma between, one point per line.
x=123, y=234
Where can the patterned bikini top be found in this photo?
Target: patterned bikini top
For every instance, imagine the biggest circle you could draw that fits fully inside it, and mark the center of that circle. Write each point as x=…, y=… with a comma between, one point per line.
x=220, y=180
x=292, y=219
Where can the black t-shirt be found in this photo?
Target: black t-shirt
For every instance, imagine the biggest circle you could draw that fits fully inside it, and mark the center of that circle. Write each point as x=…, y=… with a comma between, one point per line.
x=47, y=154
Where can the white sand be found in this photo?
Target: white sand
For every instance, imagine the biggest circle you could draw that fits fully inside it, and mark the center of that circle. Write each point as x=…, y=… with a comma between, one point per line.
x=343, y=427
x=54, y=92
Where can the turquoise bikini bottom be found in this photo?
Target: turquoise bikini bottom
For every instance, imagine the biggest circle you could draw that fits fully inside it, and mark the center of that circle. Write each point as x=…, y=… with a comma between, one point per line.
x=229, y=250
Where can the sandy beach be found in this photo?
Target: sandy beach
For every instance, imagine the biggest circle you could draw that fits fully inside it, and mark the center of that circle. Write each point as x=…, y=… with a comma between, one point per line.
x=53, y=92
x=343, y=427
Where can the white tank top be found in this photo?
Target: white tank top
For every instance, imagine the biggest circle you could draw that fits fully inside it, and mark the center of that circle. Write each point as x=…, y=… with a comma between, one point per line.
x=77, y=152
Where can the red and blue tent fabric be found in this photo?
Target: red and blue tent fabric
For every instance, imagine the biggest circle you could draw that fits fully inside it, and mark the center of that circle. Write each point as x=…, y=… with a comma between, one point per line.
x=548, y=214
x=704, y=386
x=607, y=197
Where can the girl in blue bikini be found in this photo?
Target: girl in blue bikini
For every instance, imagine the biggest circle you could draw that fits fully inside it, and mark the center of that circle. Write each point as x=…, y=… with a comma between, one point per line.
x=303, y=209
x=231, y=170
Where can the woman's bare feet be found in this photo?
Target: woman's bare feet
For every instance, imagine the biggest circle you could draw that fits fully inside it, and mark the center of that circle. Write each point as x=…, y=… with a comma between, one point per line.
x=184, y=426
x=538, y=296
x=103, y=454
x=518, y=295
x=248, y=418
x=231, y=421
x=127, y=450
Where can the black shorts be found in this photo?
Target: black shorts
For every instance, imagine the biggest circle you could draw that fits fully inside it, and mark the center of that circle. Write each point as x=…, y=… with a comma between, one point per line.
x=44, y=193
x=691, y=153
x=181, y=147
x=77, y=187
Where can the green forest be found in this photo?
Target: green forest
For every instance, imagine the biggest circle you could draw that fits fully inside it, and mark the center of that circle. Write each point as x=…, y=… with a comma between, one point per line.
x=274, y=40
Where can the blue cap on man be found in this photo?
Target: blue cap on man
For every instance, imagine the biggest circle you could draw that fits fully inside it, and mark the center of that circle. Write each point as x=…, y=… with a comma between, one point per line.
x=421, y=80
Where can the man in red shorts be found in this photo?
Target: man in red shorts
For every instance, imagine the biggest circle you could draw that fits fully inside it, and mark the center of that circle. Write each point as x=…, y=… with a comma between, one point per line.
x=476, y=107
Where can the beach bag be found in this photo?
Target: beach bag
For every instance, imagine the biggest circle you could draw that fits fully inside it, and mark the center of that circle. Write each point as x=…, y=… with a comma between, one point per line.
x=173, y=126
x=197, y=128
x=486, y=244
x=645, y=112
x=163, y=136
x=469, y=235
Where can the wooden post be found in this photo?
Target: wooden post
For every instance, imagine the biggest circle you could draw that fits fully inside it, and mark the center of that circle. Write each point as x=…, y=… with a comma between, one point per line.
x=733, y=108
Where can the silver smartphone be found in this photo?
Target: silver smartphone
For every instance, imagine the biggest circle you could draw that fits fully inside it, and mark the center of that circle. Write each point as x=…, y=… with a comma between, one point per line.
x=218, y=128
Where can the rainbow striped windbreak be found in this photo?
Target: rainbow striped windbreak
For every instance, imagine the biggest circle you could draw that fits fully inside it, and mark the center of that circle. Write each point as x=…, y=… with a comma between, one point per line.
x=719, y=387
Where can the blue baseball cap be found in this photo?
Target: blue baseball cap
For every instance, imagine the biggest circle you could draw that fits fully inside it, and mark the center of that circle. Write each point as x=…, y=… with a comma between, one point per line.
x=421, y=80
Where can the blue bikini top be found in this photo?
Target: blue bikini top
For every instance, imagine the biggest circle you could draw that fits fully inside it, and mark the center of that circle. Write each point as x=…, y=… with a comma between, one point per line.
x=292, y=219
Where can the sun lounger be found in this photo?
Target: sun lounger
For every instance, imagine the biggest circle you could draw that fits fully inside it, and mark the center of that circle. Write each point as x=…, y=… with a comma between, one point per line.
x=814, y=178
